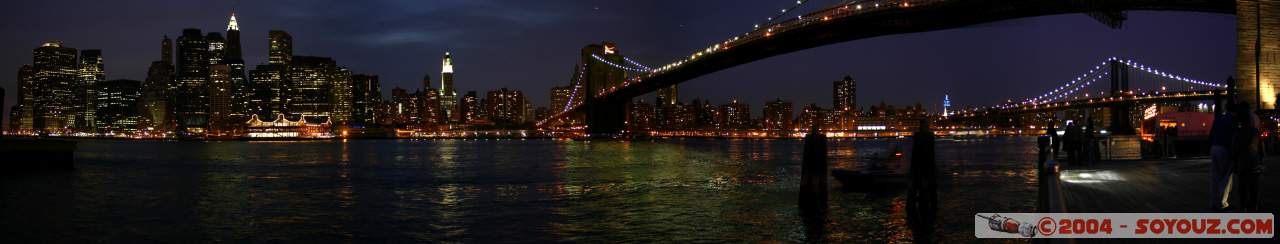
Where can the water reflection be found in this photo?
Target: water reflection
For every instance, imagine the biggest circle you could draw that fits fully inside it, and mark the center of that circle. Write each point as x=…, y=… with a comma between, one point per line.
x=487, y=191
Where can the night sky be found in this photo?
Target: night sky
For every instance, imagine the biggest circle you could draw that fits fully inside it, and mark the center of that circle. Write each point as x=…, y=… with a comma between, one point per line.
x=533, y=45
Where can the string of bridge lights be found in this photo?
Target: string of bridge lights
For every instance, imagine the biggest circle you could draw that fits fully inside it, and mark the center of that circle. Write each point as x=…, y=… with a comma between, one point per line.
x=1068, y=84
x=637, y=64
x=779, y=15
x=581, y=75
x=618, y=66
x=1087, y=83
x=1154, y=71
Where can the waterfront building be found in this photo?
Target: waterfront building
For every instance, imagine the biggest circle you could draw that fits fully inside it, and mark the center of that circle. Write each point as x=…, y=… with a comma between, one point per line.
x=116, y=106
x=810, y=116
x=777, y=115
x=283, y=128
x=735, y=115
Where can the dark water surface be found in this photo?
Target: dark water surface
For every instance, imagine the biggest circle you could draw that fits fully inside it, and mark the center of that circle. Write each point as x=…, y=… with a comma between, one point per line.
x=490, y=191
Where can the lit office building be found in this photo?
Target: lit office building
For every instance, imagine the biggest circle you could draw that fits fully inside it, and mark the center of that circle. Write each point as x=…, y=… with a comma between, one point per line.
x=279, y=47
x=342, y=96
x=505, y=106
x=193, y=77
x=116, y=106
x=311, y=93
x=55, y=74
x=735, y=115
x=220, y=122
x=366, y=96
x=270, y=86
x=91, y=72
x=641, y=117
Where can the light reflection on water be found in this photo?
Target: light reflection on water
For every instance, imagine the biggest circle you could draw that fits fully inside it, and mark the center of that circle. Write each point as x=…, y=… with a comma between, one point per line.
x=489, y=191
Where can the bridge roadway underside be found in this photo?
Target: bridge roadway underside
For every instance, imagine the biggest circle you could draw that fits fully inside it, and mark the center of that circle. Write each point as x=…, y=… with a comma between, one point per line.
x=930, y=17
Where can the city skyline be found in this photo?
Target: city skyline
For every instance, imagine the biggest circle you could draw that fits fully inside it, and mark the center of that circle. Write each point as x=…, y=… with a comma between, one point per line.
x=806, y=83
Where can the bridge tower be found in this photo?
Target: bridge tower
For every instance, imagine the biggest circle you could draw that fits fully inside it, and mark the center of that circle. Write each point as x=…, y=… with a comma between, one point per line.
x=1121, y=120
x=604, y=117
x=1258, y=52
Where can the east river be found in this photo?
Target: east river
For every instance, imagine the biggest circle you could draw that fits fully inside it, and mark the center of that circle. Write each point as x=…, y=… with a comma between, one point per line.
x=484, y=191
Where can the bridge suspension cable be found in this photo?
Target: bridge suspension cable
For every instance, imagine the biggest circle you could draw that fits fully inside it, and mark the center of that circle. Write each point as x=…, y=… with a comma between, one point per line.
x=637, y=64
x=1154, y=71
x=640, y=68
x=1067, y=86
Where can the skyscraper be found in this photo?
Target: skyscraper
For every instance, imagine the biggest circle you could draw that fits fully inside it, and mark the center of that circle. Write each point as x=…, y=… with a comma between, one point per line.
x=91, y=72
x=234, y=59
x=21, y=115
x=220, y=123
x=845, y=95
x=665, y=107
x=505, y=106
x=668, y=95
x=311, y=90
x=448, y=93
x=946, y=105
x=117, y=106
x=430, y=111
x=157, y=102
x=366, y=97
x=404, y=107
x=55, y=75
x=158, y=91
x=342, y=96
x=279, y=47
x=233, y=40
x=192, y=76
x=166, y=51
x=559, y=98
